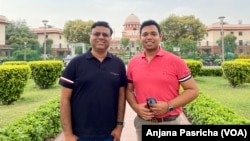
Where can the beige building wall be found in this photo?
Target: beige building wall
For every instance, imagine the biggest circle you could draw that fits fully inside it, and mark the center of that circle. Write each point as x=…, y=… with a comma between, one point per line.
x=52, y=33
x=2, y=34
x=59, y=45
x=3, y=22
x=131, y=30
x=241, y=31
x=4, y=49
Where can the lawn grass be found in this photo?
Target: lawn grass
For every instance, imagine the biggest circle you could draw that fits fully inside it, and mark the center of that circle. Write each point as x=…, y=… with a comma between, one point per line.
x=218, y=88
x=31, y=99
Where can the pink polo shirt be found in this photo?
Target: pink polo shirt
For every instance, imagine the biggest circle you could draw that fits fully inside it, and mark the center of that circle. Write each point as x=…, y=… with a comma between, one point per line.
x=160, y=78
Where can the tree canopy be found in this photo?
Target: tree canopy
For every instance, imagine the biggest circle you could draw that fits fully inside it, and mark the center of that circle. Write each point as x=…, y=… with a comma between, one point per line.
x=183, y=32
x=182, y=28
x=19, y=37
x=77, y=31
x=125, y=41
x=17, y=32
x=229, y=43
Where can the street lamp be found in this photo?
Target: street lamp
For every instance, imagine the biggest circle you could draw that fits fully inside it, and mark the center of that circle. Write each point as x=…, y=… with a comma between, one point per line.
x=222, y=37
x=44, y=51
x=133, y=42
x=24, y=56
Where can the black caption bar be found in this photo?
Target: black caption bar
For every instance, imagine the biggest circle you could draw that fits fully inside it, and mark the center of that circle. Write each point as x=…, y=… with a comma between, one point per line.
x=215, y=132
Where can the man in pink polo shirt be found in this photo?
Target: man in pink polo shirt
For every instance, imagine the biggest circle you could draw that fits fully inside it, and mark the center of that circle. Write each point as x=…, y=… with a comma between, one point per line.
x=158, y=74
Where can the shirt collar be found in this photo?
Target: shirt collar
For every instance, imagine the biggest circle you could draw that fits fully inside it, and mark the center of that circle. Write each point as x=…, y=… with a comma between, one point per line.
x=159, y=53
x=89, y=54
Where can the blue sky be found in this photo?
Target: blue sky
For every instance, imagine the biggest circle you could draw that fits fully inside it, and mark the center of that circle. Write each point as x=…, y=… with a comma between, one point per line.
x=57, y=12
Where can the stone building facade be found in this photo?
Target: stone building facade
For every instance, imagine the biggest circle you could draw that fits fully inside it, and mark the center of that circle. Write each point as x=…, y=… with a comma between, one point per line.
x=130, y=30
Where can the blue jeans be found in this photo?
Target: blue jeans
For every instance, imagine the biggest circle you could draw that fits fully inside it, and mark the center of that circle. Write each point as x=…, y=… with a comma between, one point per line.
x=109, y=138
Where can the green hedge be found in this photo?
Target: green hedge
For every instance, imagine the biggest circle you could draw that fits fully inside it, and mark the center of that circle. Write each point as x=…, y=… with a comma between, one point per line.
x=194, y=66
x=13, y=79
x=46, y=73
x=36, y=126
x=204, y=110
x=236, y=72
x=15, y=63
x=216, y=71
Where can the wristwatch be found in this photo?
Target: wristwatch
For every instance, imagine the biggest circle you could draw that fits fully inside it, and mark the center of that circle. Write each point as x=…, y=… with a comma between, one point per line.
x=120, y=123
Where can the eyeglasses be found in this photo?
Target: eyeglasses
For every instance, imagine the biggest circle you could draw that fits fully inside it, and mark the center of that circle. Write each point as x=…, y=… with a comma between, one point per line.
x=97, y=34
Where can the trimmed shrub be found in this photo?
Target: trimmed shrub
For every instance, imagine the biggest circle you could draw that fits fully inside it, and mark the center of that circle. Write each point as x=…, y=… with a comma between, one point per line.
x=36, y=126
x=46, y=73
x=194, y=66
x=236, y=72
x=204, y=110
x=13, y=79
x=213, y=71
x=15, y=63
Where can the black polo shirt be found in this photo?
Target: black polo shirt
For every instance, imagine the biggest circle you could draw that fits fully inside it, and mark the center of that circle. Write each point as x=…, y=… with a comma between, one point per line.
x=95, y=85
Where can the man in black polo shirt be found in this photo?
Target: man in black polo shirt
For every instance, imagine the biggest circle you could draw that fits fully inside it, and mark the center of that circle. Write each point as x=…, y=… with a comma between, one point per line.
x=92, y=104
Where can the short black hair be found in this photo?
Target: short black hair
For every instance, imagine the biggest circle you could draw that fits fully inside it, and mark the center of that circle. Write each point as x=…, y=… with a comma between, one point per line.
x=102, y=23
x=148, y=23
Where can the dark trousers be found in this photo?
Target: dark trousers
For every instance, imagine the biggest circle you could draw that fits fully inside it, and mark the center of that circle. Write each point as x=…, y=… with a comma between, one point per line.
x=109, y=138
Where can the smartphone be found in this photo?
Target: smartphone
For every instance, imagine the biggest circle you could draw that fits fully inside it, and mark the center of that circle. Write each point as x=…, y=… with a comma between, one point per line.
x=151, y=101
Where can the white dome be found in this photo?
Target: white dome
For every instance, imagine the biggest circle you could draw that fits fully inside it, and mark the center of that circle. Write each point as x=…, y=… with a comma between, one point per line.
x=132, y=18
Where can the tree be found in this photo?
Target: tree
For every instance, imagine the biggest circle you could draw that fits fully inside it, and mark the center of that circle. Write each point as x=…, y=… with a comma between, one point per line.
x=182, y=31
x=125, y=42
x=229, y=43
x=138, y=42
x=77, y=31
x=17, y=32
x=49, y=43
x=30, y=55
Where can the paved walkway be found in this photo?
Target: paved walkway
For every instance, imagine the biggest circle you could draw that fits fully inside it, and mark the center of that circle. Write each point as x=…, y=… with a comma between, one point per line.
x=128, y=133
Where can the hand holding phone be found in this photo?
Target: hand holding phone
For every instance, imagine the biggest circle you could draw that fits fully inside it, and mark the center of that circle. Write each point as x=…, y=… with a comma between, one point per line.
x=151, y=101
